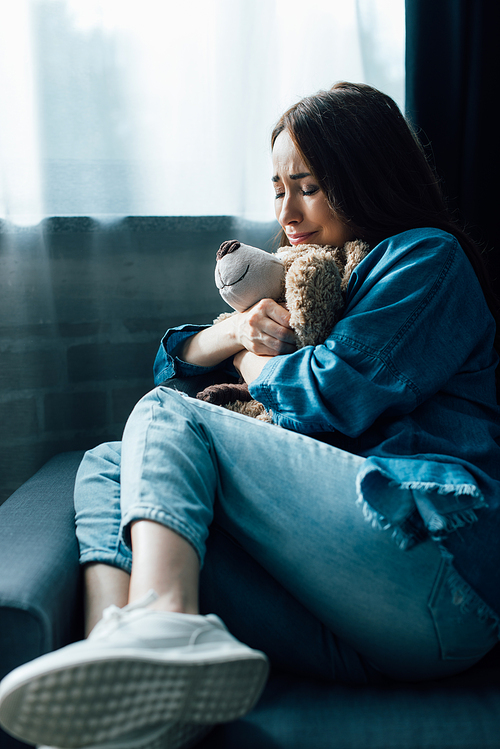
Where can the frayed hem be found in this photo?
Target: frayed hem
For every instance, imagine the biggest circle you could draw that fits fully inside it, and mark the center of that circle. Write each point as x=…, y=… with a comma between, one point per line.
x=408, y=533
x=404, y=539
x=419, y=514
x=442, y=525
x=457, y=490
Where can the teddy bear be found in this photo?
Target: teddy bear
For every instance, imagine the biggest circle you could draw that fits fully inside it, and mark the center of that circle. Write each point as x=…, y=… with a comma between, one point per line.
x=309, y=280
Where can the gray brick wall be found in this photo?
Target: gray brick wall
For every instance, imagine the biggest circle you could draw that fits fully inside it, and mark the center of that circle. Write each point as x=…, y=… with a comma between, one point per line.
x=83, y=306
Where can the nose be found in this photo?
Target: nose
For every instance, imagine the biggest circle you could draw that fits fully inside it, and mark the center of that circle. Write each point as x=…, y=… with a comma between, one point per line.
x=289, y=211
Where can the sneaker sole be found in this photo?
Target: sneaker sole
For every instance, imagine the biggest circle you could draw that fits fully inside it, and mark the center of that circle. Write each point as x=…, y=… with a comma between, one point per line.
x=175, y=736
x=105, y=697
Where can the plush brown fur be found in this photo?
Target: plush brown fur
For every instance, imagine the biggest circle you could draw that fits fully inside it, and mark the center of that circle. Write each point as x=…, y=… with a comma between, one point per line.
x=313, y=291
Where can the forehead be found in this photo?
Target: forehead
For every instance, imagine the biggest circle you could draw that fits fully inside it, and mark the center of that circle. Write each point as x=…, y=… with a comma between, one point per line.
x=287, y=159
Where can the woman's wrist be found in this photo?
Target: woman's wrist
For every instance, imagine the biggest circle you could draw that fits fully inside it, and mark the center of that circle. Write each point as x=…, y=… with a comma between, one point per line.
x=250, y=365
x=213, y=345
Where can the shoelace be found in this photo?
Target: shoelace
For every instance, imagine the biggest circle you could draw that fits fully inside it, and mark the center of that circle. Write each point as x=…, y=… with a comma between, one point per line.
x=112, y=615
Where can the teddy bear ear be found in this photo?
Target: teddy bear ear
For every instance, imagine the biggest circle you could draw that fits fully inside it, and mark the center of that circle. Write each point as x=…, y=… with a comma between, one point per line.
x=226, y=247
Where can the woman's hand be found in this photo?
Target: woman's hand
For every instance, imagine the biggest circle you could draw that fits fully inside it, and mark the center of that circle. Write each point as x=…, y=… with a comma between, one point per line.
x=265, y=332
x=264, y=329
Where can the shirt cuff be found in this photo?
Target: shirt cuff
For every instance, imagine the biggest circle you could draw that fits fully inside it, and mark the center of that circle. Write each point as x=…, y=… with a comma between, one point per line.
x=168, y=364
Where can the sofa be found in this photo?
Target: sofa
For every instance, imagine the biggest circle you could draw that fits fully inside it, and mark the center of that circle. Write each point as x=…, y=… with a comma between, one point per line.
x=41, y=610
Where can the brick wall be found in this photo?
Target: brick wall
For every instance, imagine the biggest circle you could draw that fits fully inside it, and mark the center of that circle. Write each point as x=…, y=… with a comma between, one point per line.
x=83, y=305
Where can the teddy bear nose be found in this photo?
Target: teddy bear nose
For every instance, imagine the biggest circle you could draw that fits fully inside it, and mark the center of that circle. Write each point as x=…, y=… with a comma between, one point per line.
x=226, y=247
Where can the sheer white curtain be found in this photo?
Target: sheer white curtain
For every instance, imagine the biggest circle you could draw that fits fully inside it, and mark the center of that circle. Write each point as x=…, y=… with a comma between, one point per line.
x=165, y=107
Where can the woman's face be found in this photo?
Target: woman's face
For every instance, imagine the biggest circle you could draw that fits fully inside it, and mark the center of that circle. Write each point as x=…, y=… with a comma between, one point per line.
x=301, y=206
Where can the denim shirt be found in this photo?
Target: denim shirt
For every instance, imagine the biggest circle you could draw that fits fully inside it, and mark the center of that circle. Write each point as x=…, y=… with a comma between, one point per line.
x=407, y=380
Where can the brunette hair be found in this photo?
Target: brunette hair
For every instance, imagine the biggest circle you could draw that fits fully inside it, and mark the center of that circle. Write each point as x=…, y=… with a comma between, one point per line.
x=373, y=169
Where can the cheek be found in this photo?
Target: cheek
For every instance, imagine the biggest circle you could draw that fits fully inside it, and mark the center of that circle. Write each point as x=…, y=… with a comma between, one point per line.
x=344, y=234
x=336, y=232
x=322, y=212
x=331, y=224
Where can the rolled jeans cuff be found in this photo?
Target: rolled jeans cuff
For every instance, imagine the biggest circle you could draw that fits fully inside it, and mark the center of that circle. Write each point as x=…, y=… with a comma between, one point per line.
x=101, y=556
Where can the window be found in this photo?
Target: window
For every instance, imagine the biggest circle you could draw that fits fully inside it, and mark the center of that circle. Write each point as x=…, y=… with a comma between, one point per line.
x=165, y=107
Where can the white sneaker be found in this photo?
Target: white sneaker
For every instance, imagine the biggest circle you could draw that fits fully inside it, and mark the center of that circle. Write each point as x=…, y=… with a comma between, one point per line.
x=139, y=668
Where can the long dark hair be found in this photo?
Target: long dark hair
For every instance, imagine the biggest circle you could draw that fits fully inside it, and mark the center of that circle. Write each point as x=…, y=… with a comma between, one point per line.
x=373, y=169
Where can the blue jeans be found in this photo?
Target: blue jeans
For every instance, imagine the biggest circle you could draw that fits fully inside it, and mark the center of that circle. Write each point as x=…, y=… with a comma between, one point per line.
x=288, y=560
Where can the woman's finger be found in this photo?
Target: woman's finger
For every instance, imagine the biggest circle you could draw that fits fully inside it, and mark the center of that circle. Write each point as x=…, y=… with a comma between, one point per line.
x=264, y=329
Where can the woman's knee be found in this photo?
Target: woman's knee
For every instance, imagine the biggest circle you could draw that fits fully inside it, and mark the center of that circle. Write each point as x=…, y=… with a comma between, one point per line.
x=107, y=452
x=155, y=403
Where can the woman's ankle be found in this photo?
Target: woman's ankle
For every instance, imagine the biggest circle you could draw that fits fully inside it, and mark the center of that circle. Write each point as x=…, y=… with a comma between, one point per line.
x=173, y=603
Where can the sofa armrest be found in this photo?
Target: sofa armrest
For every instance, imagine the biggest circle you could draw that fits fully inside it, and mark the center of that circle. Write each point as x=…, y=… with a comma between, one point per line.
x=40, y=589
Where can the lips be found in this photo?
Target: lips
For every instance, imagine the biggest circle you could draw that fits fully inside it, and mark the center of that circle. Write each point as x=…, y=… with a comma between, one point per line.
x=300, y=238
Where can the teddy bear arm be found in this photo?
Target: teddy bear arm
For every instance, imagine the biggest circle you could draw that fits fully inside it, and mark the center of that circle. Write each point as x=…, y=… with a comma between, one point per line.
x=222, y=393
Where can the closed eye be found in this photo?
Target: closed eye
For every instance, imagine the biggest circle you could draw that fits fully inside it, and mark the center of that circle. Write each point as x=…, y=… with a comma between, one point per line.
x=232, y=283
x=311, y=191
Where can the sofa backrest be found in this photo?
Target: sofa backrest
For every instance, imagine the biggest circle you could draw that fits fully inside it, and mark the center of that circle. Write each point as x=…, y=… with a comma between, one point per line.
x=83, y=305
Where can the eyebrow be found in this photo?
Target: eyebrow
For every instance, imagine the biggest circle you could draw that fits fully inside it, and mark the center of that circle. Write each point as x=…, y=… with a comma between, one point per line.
x=300, y=175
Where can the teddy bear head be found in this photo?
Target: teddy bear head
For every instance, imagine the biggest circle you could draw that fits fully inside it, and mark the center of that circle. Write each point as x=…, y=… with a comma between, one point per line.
x=245, y=274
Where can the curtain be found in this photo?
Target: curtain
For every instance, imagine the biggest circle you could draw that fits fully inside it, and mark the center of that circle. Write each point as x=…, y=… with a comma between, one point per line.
x=452, y=68
x=165, y=107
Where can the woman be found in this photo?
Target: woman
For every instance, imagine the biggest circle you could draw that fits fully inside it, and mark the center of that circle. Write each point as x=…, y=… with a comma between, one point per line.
x=393, y=420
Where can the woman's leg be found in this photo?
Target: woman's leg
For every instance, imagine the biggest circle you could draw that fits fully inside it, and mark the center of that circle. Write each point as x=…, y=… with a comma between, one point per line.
x=290, y=502
x=104, y=586
x=262, y=613
x=167, y=564
x=106, y=562
x=297, y=519
x=233, y=585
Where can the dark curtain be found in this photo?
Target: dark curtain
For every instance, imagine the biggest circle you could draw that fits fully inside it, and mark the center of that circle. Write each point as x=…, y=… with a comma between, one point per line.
x=452, y=92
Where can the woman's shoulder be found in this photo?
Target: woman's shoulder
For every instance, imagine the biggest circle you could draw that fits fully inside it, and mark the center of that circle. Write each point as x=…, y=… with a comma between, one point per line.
x=421, y=252
x=411, y=268
x=421, y=244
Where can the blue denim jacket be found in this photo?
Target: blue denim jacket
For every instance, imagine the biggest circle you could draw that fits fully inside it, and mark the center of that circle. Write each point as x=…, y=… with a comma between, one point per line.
x=407, y=380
